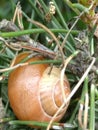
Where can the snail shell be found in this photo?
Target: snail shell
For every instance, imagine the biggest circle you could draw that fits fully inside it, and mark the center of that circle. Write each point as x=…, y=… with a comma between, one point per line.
x=33, y=93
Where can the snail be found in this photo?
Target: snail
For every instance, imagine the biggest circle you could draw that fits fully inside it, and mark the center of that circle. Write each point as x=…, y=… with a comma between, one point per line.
x=34, y=94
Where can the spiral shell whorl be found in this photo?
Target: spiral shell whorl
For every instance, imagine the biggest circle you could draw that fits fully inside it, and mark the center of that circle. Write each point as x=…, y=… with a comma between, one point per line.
x=50, y=91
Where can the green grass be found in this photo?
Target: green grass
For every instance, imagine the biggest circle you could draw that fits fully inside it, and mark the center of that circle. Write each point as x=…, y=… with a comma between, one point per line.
x=68, y=29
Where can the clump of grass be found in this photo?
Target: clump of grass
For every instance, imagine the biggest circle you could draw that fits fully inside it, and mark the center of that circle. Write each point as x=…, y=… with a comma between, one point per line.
x=62, y=30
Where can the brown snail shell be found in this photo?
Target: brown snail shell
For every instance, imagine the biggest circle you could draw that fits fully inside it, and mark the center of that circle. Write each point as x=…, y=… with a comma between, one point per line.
x=33, y=93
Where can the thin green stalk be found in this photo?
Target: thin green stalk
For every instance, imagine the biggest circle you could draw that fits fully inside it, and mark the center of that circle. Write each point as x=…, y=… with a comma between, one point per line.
x=82, y=99
x=80, y=7
x=46, y=62
x=69, y=47
x=63, y=21
x=96, y=93
x=32, y=3
x=72, y=118
x=36, y=62
x=32, y=17
x=31, y=31
x=65, y=39
x=71, y=6
x=60, y=15
x=34, y=123
x=40, y=124
x=12, y=5
x=44, y=6
x=92, y=108
x=91, y=40
x=6, y=106
x=92, y=46
x=84, y=90
x=4, y=120
x=54, y=20
x=55, y=23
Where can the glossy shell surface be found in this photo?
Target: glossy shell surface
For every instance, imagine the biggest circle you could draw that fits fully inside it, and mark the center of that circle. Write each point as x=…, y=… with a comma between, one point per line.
x=34, y=94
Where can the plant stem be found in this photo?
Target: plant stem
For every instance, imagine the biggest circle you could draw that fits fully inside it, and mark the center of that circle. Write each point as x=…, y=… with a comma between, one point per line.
x=60, y=15
x=35, y=8
x=41, y=124
x=31, y=31
x=36, y=62
x=3, y=120
x=71, y=6
x=84, y=90
x=63, y=21
x=92, y=108
x=73, y=91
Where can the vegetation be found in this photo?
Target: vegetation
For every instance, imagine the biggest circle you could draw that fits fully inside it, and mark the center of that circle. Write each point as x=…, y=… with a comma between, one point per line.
x=68, y=28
